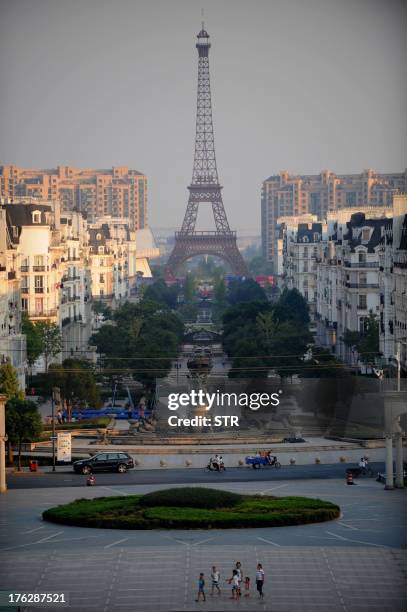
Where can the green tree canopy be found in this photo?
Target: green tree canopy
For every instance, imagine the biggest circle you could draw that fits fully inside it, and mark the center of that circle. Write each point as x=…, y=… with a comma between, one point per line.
x=292, y=306
x=245, y=291
x=33, y=339
x=189, y=288
x=9, y=382
x=51, y=341
x=260, y=337
x=159, y=292
x=101, y=308
x=150, y=336
x=219, y=291
x=23, y=423
x=367, y=342
x=77, y=383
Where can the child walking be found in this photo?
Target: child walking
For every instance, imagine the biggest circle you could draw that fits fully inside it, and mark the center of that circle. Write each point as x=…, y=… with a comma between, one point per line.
x=201, y=587
x=234, y=581
x=215, y=576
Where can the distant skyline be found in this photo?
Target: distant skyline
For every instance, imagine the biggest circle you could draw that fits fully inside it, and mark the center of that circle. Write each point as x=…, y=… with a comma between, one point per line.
x=300, y=85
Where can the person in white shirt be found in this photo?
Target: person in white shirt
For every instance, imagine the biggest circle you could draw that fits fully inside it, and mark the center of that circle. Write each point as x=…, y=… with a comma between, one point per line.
x=234, y=581
x=238, y=568
x=260, y=580
x=215, y=577
x=362, y=464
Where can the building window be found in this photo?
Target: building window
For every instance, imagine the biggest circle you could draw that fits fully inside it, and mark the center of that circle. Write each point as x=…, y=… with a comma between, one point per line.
x=362, y=324
x=36, y=216
x=24, y=304
x=362, y=304
x=39, y=306
x=362, y=256
x=39, y=263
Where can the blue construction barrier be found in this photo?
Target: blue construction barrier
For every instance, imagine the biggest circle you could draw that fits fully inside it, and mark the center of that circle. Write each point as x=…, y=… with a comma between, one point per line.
x=117, y=413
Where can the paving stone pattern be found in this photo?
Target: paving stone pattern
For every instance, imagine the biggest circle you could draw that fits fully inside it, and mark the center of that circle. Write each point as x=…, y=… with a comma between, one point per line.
x=165, y=578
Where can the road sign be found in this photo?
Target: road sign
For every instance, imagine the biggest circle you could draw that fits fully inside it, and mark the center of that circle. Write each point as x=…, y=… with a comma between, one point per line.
x=64, y=446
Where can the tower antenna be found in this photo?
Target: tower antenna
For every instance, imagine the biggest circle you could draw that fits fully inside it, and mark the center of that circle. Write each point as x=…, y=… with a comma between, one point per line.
x=202, y=16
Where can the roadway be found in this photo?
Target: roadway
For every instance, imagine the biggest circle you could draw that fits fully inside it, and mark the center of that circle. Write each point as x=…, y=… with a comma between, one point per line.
x=65, y=477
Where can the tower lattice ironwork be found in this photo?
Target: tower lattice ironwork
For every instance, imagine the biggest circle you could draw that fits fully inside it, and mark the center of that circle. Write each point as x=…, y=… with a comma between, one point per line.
x=205, y=187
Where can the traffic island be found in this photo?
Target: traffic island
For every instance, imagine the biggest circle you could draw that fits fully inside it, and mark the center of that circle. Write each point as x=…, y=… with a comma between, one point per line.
x=192, y=508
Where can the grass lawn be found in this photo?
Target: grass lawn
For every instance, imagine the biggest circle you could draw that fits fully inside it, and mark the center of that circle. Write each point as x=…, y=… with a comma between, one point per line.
x=192, y=508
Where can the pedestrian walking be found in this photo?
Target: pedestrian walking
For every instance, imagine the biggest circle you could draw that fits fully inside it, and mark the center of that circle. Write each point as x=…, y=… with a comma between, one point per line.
x=234, y=581
x=201, y=587
x=215, y=577
x=238, y=568
x=260, y=580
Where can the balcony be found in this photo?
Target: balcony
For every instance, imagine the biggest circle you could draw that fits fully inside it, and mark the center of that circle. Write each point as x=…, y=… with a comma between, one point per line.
x=39, y=290
x=43, y=314
x=24, y=268
x=25, y=290
x=361, y=264
x=362, y=285
x=39, y=268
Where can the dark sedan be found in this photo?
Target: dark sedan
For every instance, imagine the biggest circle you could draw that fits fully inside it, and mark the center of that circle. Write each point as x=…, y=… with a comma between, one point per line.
x=104, y=462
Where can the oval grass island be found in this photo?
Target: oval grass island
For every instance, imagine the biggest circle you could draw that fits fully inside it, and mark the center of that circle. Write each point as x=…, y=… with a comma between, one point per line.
x=192, y=508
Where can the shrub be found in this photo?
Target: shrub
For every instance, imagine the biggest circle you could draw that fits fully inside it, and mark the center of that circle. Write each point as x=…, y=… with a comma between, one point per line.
x=244, y=512
x=191, y=497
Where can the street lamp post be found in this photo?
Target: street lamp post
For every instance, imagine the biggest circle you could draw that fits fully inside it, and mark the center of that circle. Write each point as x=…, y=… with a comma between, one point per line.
x=3, y=438
x=54, y=398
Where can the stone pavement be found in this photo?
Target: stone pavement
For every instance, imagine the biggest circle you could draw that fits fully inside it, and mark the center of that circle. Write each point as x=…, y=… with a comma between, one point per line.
x=357, y=563
x=165, y=578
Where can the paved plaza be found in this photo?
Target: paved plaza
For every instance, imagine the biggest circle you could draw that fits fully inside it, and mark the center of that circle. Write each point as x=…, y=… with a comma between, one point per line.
x=358, y=562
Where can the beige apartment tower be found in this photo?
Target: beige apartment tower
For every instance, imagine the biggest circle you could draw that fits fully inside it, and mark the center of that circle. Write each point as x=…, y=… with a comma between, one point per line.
x=284, y=194
x=118, y=192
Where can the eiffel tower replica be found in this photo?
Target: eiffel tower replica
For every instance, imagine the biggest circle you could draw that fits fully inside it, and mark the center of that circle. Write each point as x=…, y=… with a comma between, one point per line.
x=205, y=187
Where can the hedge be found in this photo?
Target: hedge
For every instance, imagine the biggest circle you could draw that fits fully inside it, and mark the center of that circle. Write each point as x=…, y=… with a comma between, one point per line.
x=243, y=511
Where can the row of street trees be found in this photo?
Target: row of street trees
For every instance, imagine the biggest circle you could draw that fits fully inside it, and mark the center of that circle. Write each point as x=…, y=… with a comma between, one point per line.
x=260, y=336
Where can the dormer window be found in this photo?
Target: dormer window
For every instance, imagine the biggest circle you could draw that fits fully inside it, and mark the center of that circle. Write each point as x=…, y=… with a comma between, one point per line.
x=101, y=250
x=365, y=235
x=98, y=236
x=36, y=216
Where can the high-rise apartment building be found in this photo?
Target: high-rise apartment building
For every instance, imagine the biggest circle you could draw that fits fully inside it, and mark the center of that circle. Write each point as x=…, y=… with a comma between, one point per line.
x=119, y=192
x=285, y=195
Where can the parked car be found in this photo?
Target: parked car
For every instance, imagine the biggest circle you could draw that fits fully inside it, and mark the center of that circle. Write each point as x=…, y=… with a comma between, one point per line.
x=104, y=462
x=293, y=440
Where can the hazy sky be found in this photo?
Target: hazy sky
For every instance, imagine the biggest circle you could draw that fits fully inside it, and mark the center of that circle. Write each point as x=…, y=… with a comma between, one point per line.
x=300, y=85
